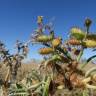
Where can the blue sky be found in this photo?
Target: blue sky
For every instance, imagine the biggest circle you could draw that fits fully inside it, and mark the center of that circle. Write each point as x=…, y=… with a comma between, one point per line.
x=18, y=18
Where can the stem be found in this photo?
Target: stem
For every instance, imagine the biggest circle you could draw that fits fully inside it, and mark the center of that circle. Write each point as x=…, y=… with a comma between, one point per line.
x=90, y=71
x=80, y=55
x=35, y=86
x=90, y=86
x=47, y=62
x=82, y=66
x=46, y=87
x=18, y=94
x=87, y=30
x=86, y=80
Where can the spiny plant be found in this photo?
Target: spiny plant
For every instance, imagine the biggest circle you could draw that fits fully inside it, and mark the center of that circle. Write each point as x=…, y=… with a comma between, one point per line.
x=68, y=54
x=61, y=68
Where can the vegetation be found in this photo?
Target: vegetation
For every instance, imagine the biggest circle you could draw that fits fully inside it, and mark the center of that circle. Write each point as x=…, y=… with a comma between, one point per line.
x=61, y=68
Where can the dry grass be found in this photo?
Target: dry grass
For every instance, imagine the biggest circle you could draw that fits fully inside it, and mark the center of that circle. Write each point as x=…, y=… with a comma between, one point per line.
x=22, y=71
x=26, y=68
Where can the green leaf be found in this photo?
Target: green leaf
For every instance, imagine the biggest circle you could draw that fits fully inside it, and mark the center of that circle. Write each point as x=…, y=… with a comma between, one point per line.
x=85, y=93
x=46, y=87
x=19, y=86
x=91, y=58
x=88, y=60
